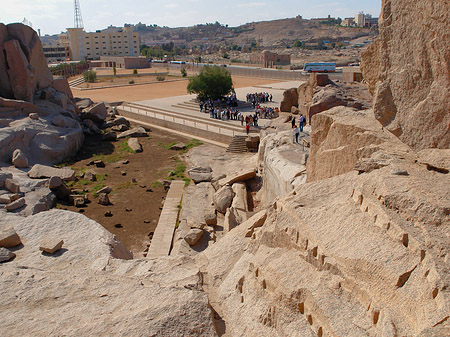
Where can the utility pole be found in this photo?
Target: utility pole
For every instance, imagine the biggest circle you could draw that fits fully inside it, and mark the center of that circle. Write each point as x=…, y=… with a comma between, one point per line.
x=77, y=20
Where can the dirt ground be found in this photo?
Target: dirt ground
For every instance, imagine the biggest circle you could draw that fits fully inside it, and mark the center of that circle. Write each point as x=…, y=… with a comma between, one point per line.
x=156, y=90
x=135, y=207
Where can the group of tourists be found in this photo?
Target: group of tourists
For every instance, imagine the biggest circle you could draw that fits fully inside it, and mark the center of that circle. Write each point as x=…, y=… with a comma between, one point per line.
x=259, y=97
x=301, y=123
x=229, y=101
x=226, y=109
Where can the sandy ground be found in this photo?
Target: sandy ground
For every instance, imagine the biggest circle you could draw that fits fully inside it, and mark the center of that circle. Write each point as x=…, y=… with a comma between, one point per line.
x=156, y=90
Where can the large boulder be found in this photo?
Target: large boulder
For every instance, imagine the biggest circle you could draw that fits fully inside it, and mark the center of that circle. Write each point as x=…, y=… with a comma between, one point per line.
x=61, y=84
x=43, y=171
x=290, y=99
x=408, y=72
x=96, y=113
x=32, y=47
x=223, y=198
x=19, y=159
x=20, y=72
x=200, y=174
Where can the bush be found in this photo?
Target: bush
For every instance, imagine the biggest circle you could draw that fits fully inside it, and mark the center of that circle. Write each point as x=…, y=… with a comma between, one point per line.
x=135, y=72
x=114, y=71
x=212, y=82
x=183, y=72
x=90, y=76
x=131, y=82
x=160, y=78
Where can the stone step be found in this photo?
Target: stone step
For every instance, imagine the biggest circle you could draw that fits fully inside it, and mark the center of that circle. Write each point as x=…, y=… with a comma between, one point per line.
x=238, y=145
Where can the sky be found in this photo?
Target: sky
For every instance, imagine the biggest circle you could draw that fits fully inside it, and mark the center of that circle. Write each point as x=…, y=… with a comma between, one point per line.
x=54, y=16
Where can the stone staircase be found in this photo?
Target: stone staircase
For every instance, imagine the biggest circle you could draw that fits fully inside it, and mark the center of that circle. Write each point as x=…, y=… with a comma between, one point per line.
x=76, y=82
x=193, y=105
x=237, y=144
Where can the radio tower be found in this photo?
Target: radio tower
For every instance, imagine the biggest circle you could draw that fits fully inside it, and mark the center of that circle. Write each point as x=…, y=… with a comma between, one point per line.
x=77, y=20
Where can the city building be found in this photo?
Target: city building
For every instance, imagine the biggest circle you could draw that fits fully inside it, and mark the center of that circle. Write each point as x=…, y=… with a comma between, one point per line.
x=359, y=19
x=55, y=52
x=348, y=22
x=268, y=59
x=113, y=41
x=126, y=62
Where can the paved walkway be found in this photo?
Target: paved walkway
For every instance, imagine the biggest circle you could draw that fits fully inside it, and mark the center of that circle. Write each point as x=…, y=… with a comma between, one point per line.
x=162, y=238
x=276, y=89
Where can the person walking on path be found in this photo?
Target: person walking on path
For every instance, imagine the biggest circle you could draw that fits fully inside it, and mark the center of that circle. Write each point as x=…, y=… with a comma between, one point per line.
x=301, y=121
x=247, y=128
x=296, y=133
x=293, y=121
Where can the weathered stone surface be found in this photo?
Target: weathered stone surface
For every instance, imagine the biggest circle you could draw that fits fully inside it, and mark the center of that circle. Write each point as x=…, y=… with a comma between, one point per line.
x=4, y=199
x=411, y=98
x=92, y=269
x=134, y=145
x=109, y=136
x=6, y=254
x=238, y=176
x=240, y=196
x=120, y=128
x=61, y=84
x=42, y=171
x=50, y=245
x=20, y=72
x=193, y=236
x=290, y=99
x=3, y=177
x=32, y=47
x=340, y=137
x=282, y=163
x=116, y=122
x=5, y=85
x=94, y=129
x=106, y=189
x=97, y=113
x=39, y=200
x=19, y=203
x=9, y=237
x=435, y=159
x=178, y=146
x=200, y=174
x=210, y=216
x=12, y=186
x=54, y=182
x=59, y=121
x=19, y=159
x=62, y=192
x=90, y=176
x=34, y=116
x=103, y=199
x=223, y=198
x=256, y=221
x=99, y=163
x=135, y=132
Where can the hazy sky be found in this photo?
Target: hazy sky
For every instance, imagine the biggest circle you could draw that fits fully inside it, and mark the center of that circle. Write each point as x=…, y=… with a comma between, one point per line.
x=54, y=16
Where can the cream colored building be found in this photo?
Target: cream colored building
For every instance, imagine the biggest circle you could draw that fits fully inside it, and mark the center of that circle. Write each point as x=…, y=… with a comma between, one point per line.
x=359, y=19
x=109, y=42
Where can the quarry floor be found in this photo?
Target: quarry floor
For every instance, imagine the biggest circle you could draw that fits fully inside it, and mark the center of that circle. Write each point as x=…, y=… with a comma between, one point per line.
x=135, y=207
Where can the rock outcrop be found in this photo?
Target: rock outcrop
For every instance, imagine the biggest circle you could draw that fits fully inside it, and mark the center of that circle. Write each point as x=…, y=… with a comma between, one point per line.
x=408, y=72
x=158, y=297
x=48, y=130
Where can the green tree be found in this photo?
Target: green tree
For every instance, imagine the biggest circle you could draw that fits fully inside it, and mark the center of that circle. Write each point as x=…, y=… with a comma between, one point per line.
x=90, y=76
x=183, y=72
x=114, y=71
x=135, y=72
x=212, y=82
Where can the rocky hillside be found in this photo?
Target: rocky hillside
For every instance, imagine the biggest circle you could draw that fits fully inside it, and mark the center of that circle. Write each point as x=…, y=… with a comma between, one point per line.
x=265, y=33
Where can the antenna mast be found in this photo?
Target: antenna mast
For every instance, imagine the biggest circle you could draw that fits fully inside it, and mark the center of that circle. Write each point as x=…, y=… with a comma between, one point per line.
x=77, y=20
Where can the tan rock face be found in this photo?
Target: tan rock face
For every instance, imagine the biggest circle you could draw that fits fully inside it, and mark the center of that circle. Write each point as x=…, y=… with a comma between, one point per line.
x=290, y=99
x=408, y=71
x=340, y=137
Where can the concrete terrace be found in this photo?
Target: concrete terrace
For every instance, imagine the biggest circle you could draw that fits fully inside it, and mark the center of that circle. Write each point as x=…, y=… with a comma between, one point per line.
x=182, y=115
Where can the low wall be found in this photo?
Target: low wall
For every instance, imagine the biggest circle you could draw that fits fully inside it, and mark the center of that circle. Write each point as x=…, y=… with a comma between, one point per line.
x=171, y=124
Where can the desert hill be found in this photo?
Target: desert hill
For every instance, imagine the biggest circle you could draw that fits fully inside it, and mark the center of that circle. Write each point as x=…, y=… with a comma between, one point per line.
x=265, y=33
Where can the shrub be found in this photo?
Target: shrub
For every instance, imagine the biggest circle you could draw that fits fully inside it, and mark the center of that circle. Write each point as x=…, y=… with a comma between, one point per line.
x=160, y=78
x=183, y=72
x=135, y=72
x=90, y=76
x=131, y=82
x=114, y=71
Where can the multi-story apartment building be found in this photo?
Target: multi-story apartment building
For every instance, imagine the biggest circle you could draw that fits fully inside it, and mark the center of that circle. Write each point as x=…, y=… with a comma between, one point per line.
x=113, y=41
